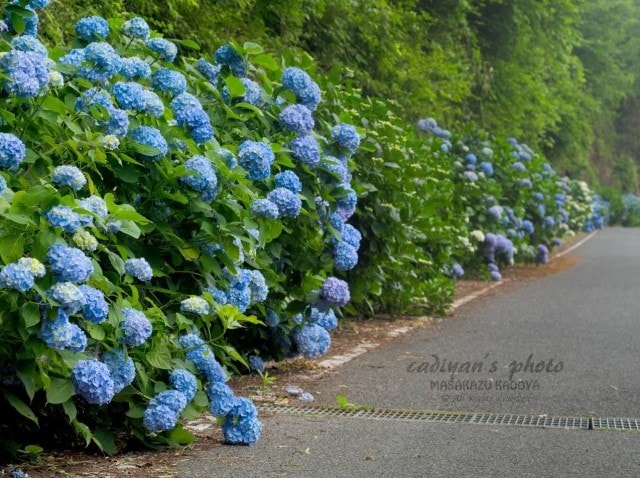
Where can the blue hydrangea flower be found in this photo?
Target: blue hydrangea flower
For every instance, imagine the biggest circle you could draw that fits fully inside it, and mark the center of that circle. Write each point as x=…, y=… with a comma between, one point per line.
x=256, y=158
x=297, y=118
x=204, y=180
x=312, y=340
x=288, y=180
x=58, y=333
x=3, y=184
x=94, y=96
x=138, y=268
x=38, y=4
x=486, y=168
x=303, y=87
x=118, y=123
x=195, y=305
x=519, y=167
x=137, y=328
x=221, y=398
x=29, y=43
x=264, y=208
x=173, y=399
x=185, y=382
x=327, y=319
x=335, y=292
x=75, y=57
x=549, y=222
x=136, y=28
x=151, y=137
x=165, y=49
x=209, y=71
x=92, y=28
x=272, y=319
x=121, y=368
x=64, y=217
x=190, y=341
x=160, y=418
x=457, y=271
x=68, y=295
x=347, y=200
x=69, y=264
x=219, y=296
x=306, y=150
x=69, y=176
x=12, y=151
x=258, y=286
x=527, y=226
x=256, y=364
x=495, y=276
x=206, y=362
x=496, y=212
x=336, y=168
x=153, y=105
x=169, y=81
x=240, y=297
x=92, y=380
x=288, y=203
x=104, y=61
x=26, y=73
x=95, y=308
x=351, y=236
x=345, y=257
x=226, y=55
x=16, y=276
x=346, y=136
x=129, y=95
x=34, y=266
x=96, y=205
x=134, y=67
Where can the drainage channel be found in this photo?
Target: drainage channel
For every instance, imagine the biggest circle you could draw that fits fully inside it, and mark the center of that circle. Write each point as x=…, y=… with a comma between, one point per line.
x=579, y=423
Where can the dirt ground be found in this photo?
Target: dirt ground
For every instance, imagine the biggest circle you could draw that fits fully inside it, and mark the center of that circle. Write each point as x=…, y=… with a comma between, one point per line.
x=350, y=335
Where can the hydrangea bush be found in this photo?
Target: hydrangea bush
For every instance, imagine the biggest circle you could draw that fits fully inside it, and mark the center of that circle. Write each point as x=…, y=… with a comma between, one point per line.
x=164, y=223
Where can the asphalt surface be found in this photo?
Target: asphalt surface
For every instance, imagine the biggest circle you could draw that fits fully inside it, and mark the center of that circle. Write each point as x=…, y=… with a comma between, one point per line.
x=565, y=345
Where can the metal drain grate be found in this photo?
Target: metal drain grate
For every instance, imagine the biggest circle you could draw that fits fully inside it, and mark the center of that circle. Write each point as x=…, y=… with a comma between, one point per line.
x=438, y=417
x=627, y=424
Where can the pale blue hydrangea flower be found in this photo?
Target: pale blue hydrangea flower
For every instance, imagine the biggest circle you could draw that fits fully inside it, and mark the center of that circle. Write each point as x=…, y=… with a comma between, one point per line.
x=221, y=398
x=137, y=328
x=165, y=49
x=17, y=277
x=12, y=151
x=29, y=43
x=297, y=118
x=68, y=295
x=169, y=81
x=264, y=208
x=346, y=136
x=288, y=180
x=136, y=28
x=209, y=71
x=63, y=217
x=242, y=426
x=138, y=268
x=204, y=181
x=134, y=67
x=195, y=305
x=151, y=137
x=69, y=176
x=312, y=340
x=34, y=266
x=92, y=28
x=345, y=256
x=130, y=95
x=25, y=73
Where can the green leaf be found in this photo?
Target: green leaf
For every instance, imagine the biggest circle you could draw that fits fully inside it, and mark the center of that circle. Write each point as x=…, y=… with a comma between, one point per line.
x=21, y=407
x=70, y=410
x=95, y=331
x=130, y=228
x=266, y=61
x=124, y=214
x=11, y=248
x=105, y=440
x=30, y=314
x=160, y=357
x=83, y=430
x=60, y=390
x=188, y=44
x=181, y=436
x=235, y=86
x=251, y=48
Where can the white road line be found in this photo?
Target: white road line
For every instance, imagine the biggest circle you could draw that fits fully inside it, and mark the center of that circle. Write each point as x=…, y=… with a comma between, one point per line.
x=577, y=244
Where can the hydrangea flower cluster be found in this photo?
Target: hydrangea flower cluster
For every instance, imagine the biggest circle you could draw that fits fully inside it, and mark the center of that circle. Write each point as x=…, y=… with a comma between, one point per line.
x=256, y=158
x=69, y=264
x=188, y=112
x=137, y=328
x=204, y=181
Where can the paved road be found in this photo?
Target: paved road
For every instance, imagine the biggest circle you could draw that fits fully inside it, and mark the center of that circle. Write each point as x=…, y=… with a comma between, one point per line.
x=581, y=329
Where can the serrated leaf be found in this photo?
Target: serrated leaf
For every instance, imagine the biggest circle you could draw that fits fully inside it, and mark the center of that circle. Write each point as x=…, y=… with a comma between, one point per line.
x=181, y=436
x=235, y=86
x=160, y=357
